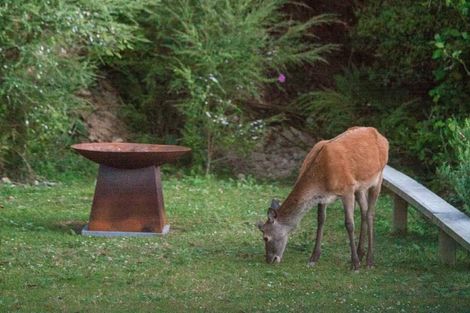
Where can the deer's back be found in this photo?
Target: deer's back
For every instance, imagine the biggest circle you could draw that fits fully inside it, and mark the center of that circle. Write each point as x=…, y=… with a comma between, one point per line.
x=348, y=161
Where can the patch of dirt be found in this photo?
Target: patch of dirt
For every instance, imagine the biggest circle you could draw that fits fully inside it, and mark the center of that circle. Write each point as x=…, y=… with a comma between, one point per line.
x=102, y=122
x=280, y=155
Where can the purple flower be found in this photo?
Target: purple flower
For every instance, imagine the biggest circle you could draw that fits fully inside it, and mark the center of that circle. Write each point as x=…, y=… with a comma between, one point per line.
x=281, y=78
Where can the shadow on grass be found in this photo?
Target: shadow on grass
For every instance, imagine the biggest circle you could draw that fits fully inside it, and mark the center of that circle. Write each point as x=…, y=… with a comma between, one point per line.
x=23, y=225
x=66, y=226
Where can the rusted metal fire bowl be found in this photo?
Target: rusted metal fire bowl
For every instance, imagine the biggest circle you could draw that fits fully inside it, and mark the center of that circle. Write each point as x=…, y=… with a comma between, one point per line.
x=128, y=196
x=129, y=155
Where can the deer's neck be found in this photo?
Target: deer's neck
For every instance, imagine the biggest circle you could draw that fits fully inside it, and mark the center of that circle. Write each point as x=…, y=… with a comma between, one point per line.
x=297, y=204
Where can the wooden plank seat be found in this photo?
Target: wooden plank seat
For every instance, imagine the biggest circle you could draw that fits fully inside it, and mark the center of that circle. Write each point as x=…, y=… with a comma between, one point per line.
x=454, y=225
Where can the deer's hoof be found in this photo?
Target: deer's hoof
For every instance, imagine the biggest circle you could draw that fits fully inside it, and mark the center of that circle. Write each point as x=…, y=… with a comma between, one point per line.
x=311, y=264
x=355, y=267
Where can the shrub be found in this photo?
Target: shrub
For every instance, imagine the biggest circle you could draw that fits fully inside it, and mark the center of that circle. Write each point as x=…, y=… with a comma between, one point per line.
x=457, y=173
x=452, y=55
x=48, y=51
x=420, y=48
x=356, y=100
x=209, y=59
x=396, y=38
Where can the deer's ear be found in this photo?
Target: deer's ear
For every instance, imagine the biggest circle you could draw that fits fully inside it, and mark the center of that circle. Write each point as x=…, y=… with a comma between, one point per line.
x=260, y=225
x=275, y=204
x=272, y=214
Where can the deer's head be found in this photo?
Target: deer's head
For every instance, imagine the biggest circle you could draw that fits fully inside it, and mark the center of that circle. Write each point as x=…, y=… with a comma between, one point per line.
x=275, y=234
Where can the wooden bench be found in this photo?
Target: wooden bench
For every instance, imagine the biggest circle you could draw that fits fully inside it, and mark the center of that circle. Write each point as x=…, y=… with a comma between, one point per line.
x=454, y=225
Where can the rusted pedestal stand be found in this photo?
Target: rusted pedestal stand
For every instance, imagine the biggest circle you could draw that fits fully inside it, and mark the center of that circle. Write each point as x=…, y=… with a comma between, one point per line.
x=128, y=198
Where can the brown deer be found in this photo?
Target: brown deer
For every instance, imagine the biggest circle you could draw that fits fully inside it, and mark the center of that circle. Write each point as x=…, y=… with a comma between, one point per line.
x=348, y=167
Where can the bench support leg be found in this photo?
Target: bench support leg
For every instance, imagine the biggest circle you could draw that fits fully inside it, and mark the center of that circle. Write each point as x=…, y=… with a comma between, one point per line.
x=447, y=248
x=400, y=215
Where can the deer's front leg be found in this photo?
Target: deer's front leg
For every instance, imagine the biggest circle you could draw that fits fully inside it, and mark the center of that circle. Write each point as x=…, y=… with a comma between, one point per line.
x=348, y=203
x=321, y=216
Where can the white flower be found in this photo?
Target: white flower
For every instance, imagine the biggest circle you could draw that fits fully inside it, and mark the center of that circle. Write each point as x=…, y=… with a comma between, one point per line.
x=212, y=77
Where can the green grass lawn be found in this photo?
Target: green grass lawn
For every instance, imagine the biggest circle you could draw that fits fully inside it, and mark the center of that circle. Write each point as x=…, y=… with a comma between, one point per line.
x=212, y=260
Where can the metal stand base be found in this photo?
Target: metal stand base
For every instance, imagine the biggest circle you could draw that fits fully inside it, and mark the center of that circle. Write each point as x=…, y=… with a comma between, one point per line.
x=95, y=233
x=128, y=201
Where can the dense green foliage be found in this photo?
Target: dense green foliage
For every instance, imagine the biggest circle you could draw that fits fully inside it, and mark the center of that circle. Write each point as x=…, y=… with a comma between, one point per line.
x=410, y=74
x=452, y=54
x=421, y=47
x=212, y=260
x=204, y=74
x=396, y=37
x=48, y=51
x=425, y=46
x=207, y=59
x=356, y=100
x=190, y=75
x=457, y=175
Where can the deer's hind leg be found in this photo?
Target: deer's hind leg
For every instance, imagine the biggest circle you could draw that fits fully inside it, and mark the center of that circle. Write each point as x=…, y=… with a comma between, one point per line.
x=361, y=198
x=348, y=203
x=373, y=195
x=321, y=216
